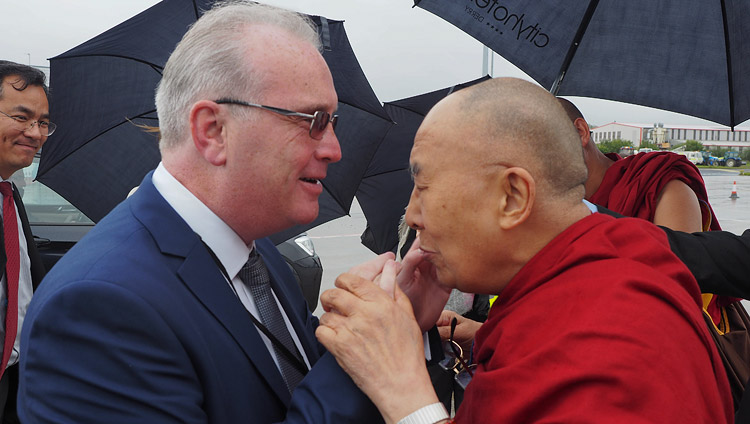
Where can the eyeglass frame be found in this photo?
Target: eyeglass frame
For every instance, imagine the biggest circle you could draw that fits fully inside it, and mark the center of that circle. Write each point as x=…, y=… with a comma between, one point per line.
x=327, y=117
x=51, y=127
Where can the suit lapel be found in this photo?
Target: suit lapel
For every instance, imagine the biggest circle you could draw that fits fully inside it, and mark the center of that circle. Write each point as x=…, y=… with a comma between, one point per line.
x=37, y=268
x=204, y=279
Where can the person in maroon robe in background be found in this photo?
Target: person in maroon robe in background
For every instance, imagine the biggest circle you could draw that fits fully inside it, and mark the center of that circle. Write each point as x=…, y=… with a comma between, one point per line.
x=636, y=186
x=596, y=319
x=668, y=190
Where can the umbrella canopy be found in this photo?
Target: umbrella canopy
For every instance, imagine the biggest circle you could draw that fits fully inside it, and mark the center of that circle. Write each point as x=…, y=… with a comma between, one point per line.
x=105, y=86
x=689, y=56
x=386, y=187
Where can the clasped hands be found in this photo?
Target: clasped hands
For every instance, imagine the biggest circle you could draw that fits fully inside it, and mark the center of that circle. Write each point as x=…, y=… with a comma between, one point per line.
x=373, y=325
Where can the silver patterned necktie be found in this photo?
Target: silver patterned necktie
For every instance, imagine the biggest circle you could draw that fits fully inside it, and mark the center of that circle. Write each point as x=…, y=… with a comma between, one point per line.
x=255, y=276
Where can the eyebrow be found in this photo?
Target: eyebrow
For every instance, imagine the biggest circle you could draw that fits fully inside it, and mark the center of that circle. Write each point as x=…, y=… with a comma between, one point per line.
x=314, y=108
x=27, y=111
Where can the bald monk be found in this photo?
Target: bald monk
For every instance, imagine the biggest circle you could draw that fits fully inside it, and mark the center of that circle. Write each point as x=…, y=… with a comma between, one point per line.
x=575, y=334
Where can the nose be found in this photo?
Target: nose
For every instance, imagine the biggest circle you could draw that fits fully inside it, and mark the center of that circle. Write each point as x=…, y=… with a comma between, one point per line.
x=328, y=149
x=414, y=211
x=34, y=131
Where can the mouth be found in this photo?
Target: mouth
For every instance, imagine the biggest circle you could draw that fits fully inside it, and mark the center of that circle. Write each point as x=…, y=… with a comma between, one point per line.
x=310, y=180
x=27, y=146
x=426, y=251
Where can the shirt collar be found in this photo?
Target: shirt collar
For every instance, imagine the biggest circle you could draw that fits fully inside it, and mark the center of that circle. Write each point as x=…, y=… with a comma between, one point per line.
x=592, y=207
x=228, y=247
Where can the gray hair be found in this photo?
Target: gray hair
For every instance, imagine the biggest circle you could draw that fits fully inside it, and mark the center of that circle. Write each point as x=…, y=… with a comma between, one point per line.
x=208, y=62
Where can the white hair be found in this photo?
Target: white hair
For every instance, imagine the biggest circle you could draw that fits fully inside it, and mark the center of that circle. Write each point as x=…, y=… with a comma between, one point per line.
x=208, y=62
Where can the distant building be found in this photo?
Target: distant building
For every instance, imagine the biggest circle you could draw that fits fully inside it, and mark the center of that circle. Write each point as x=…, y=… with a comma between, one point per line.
x=618, y=131
x=710, y=136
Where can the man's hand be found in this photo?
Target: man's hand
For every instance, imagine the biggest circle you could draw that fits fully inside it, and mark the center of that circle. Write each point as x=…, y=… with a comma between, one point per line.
x=418, y=280
x=373, y=335
x=465, y=330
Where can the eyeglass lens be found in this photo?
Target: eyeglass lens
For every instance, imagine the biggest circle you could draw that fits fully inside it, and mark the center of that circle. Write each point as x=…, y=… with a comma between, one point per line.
x=320, y=122
x=45, y=128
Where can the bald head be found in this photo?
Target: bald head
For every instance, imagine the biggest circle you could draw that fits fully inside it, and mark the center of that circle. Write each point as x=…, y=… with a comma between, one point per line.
x=514, y=122
x=570, y=109
x=499, y=161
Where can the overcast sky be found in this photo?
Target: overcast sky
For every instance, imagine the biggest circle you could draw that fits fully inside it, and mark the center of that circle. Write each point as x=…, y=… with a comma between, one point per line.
x=404, y=51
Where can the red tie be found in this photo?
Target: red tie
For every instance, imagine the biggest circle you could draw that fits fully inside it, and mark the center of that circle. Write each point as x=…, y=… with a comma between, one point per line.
x=12, y=267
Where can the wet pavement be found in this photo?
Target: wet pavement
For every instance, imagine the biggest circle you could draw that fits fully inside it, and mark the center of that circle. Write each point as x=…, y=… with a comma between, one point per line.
x=733, y=214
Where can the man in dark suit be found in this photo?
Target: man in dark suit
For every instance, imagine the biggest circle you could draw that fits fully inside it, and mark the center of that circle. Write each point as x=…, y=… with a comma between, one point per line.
x=24, y=127
x=158, y=315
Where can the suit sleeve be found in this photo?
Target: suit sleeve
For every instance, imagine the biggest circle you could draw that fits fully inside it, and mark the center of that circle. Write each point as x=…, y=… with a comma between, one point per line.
x=719, y=260
x=86, y=364
x=328, y=395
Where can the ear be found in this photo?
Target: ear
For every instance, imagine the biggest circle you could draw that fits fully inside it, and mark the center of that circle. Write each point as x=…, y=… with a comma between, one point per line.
x=584, y=133
x=207, y=130
x=518, y=192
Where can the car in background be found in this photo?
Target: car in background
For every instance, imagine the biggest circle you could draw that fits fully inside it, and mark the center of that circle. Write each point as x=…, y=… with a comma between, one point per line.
x=57, y=226
x=626, y=151
x=695, y=157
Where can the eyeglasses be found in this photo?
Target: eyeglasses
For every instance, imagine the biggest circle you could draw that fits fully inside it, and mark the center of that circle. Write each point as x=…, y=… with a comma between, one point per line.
x=46, y=128
x=318, y=121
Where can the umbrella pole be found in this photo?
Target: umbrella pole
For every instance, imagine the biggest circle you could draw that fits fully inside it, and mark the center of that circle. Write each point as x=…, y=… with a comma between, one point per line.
x=574, y=46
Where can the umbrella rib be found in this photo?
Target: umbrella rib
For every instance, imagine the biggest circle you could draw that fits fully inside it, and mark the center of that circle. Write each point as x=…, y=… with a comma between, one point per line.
x=574, y=46
x=195, y=9
x=449, y=90
x=357, y=107
x=404, y=108
x=128, y=120
x=730, y=82
x=385, y=172
x=153, y=66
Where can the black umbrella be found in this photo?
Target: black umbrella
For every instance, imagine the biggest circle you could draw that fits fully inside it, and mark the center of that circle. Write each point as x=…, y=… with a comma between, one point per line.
x=105, y=86
x=385, y=189
x=688, y=56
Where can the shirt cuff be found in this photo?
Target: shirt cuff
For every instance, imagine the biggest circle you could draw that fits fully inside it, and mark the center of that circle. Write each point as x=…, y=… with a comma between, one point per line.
x=429, y=414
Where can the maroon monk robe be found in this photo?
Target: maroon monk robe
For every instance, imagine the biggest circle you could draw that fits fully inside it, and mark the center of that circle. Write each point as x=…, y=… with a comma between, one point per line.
x=602, y=325
x=631, y=186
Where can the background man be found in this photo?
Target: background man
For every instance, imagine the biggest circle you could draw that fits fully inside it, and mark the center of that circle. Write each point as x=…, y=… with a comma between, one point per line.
x=158, y=315
x=24, y=127
x=576, y=330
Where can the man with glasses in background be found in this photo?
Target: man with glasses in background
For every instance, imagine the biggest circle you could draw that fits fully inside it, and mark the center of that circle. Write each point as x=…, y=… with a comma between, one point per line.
x=24, y=127
x=175, y=308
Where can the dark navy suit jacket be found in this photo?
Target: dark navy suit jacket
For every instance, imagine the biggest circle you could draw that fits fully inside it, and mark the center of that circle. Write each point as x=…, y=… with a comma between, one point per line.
x=137, y=324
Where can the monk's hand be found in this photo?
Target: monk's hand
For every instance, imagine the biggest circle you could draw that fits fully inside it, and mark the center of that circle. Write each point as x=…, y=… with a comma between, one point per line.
x=465, y=329
x=372, y=269
x=376, y=340
x=418, y=280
